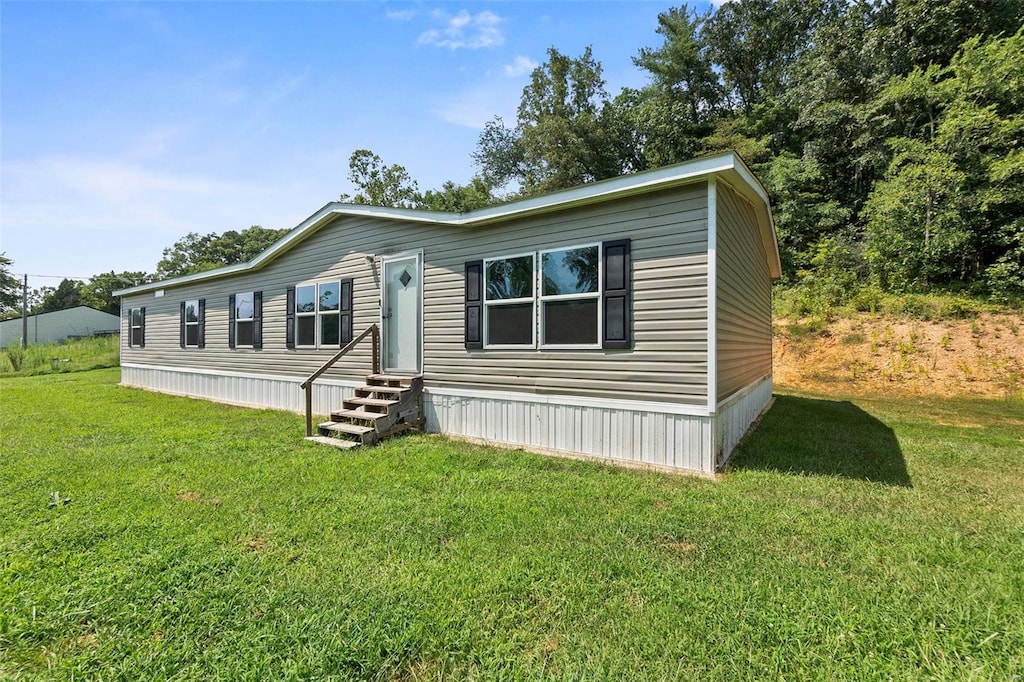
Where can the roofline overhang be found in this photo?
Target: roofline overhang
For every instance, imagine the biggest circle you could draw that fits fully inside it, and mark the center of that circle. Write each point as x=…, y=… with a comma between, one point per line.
x=729, y=165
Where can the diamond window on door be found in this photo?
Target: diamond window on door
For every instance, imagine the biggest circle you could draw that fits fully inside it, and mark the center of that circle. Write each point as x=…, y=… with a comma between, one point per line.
x=405, y=278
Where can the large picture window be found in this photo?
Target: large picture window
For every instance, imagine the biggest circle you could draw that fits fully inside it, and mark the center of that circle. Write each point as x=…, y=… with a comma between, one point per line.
x=570, y=296
x=509, y=301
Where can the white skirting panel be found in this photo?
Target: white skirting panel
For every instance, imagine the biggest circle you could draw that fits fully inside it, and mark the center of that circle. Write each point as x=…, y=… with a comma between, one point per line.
x=656, y=435
x=642, y=437
x=275, y=392
x=737, y=413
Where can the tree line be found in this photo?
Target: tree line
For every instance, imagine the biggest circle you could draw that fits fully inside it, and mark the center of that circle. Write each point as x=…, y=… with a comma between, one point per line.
x=192, y=253
x=889, y=135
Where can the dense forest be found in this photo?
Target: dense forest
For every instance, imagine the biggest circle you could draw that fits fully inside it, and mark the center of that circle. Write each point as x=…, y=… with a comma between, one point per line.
x=888, y=133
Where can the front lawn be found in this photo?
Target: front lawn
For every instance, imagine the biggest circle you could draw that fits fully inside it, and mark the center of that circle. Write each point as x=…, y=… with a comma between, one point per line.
x=851, y=539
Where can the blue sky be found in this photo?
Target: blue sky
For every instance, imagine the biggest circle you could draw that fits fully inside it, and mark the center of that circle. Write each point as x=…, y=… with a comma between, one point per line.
x=126, y=125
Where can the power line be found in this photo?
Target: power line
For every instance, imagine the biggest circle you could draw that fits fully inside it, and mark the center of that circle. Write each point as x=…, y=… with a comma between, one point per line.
x=29, y=274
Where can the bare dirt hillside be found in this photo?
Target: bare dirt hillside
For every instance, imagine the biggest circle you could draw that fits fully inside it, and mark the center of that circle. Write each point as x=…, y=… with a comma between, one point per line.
x=871, y=355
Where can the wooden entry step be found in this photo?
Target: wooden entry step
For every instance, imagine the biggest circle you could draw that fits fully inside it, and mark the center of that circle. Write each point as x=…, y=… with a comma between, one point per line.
x=386, y=405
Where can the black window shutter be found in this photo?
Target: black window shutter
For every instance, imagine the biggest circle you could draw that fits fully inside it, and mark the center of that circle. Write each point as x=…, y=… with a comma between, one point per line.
x=616, y=298
x=202, y=323
x=474, y=331
x=257, y=319
x=231, y=321
x=142, y=328
x=181, y=326
x=345, y=310
x=289, y=318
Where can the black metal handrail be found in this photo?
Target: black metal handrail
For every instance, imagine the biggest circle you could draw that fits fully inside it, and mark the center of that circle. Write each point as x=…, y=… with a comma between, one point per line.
x=307, y=385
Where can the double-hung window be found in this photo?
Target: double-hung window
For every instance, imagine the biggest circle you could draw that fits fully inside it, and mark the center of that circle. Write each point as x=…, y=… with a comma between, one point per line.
x=323, y=314
x=305, y=315
x=570, y=296
x=509, y=301
x=245, y=320
x=192, y=314
x=137, y=327
x=328, y=307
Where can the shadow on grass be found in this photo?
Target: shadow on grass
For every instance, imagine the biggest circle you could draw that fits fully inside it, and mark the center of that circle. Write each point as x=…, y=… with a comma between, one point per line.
x=823, y=437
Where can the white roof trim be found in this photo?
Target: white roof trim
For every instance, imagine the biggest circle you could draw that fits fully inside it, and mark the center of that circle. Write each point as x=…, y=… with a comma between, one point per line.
x=627, y=185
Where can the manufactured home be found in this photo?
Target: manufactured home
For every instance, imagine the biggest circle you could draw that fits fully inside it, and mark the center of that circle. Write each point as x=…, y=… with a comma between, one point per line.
x=626, y=320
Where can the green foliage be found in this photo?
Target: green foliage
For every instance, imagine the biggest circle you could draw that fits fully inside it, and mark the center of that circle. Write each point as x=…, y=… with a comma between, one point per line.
x=674, y=114
x=68, y=294
x=379, y=185
x=852, y=539
x=98, y=293
x=889, y=135
x=567, y=131
x=948, y=210
x=10, y=289
x=478, y=193
x=15, y=356
x=197, y=253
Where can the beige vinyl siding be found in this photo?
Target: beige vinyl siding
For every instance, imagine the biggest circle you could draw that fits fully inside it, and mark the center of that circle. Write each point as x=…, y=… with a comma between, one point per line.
x=744, y=337
x=669, y=257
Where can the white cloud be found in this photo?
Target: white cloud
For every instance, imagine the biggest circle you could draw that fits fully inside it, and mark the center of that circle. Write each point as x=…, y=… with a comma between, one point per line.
x=474, y=107
x=520, y=66
x=401, y=14
x=464, y=30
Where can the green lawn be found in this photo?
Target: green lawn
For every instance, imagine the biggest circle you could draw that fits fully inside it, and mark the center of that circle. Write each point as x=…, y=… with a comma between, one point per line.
x=852, y=539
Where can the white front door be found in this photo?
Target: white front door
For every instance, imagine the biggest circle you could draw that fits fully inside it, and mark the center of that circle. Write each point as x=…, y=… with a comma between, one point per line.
x=400, y=313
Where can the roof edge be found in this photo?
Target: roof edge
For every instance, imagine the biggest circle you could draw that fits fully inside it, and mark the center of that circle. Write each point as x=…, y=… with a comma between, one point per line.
x=604, y=190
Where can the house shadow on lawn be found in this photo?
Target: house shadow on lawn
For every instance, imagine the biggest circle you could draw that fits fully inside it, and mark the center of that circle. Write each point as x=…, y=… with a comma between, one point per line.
x=811, y=436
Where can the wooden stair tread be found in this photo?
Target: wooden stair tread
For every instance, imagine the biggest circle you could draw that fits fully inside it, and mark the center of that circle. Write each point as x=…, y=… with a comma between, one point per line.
x=345, y=427
x=383, y=389
x=378, y=402
x=358, y=414
x=391, y=377
x=334, y=442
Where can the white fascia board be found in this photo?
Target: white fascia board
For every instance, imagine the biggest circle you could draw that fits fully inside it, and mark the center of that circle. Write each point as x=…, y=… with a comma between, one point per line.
x=623, y=186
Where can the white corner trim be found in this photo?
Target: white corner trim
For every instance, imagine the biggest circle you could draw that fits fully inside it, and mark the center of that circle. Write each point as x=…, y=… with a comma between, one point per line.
x=571, y=401
x=712, y=294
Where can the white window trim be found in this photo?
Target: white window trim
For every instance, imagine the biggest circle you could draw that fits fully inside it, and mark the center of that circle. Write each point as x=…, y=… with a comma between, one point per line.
x=251, y=319
x=316, y=314
x=596, y=295
x=191, y=324
x=132, y=327
x=532, y=299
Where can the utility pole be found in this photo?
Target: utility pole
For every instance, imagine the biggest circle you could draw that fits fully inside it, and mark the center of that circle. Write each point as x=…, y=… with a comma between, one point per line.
x=24, y=312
